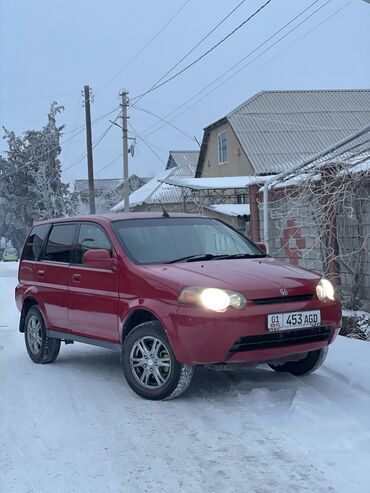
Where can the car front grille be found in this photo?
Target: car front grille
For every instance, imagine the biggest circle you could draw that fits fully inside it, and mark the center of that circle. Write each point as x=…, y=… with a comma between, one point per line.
x=283, y=299
x=280, y=339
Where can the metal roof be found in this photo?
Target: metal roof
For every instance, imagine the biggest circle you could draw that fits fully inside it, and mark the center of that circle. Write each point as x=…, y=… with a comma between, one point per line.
x=157, y=192
x=277, y=129
x=182, y=158
x=101, y=184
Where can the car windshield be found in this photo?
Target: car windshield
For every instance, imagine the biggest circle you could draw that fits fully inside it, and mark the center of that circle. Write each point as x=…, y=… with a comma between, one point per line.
x=10, y=251
x=168, y=240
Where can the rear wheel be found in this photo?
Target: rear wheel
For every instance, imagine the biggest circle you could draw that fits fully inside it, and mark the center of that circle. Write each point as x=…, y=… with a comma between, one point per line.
x=40, y=347
x=150, y=366
x=304, y=366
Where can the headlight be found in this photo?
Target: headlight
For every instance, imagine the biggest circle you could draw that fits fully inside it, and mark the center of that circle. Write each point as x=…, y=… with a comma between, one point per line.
x=214, y=299
x=325, y=290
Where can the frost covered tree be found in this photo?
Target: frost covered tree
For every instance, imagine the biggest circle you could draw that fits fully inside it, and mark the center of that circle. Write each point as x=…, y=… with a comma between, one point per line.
x=31, y=188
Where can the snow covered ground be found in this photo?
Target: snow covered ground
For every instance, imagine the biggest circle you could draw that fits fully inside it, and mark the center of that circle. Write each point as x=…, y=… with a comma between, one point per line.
x=75, y=426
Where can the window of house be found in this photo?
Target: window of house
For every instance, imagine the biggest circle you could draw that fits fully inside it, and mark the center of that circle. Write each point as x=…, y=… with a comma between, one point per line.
x=32, y=249
x=60, y=243
x=222, y=147
x=91, y=237
x=241, y=198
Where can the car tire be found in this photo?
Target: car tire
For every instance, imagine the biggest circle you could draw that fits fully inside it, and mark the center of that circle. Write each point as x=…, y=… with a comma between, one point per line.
x=304, y=366
x=150, y=366
x=41, y=348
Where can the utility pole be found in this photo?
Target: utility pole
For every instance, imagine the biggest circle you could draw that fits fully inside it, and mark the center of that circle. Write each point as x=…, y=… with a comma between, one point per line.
x=126, y=188
x=90, y=167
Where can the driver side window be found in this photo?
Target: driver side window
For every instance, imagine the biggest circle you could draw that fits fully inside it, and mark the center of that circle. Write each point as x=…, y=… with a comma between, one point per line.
x=91, y=237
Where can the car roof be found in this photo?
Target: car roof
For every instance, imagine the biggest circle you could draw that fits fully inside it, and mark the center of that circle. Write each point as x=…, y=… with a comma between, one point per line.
x=104, y=218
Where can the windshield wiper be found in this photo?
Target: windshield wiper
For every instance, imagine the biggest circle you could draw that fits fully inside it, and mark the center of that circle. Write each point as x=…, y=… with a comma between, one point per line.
x=195, y=258
x=245, y=255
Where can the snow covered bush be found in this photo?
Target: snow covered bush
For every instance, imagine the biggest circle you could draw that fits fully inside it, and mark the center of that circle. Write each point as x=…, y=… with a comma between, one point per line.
x=356, y=324
x=31, y=188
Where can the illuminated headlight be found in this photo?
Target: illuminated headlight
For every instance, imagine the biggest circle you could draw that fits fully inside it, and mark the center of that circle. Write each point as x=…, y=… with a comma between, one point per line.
x=325, y=290
x=214, y=299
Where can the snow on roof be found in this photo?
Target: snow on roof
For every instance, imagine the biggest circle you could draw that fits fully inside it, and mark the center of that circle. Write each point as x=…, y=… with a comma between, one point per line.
x=144, y=193
x=157, y=191
x=219, y=183
x=314, y=176
x=358, y=168
x=230, y=209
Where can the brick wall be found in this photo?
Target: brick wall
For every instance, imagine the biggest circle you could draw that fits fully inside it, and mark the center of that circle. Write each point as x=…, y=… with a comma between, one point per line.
x=294, y=239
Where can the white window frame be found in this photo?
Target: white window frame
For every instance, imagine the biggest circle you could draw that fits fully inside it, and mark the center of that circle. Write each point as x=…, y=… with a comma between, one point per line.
x=219, y=148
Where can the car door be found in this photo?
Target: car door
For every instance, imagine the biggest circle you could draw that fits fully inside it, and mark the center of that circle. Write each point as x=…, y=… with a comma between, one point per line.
x=51, y=275
x=93, y=302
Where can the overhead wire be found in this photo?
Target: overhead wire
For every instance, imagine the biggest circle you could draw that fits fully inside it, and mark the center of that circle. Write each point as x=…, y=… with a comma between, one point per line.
x=206, y=36
x=308, y=33
x=95, y=144
x=221, y=76
x=203, y=55
x=146, y=143
x=109, y=164
x=145, y=46
x=32, y=98
x=41, y=156
x=75, y=121
x=164, y=120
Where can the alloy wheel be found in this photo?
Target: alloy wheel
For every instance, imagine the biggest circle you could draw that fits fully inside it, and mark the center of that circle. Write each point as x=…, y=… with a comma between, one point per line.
x=150, y=362
x=34, y=334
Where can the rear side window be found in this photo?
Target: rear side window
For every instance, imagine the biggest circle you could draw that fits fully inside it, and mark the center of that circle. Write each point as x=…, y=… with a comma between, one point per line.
x=33, y=246
x=60, y=243
x=91, y=237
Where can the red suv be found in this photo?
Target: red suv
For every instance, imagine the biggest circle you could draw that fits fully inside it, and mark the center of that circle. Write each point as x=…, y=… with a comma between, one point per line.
x=170, y=292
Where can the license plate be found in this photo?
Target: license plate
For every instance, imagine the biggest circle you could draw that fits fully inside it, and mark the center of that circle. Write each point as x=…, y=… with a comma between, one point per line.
x=293, y=320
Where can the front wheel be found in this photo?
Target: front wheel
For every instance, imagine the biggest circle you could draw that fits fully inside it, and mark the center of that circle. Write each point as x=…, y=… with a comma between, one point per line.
x=40, y=347
x=150, y=366
x=311, y=362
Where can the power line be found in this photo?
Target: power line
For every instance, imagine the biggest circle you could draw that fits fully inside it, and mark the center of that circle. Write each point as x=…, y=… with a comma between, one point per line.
x=145, y=46
x=199, y=43
x=109, y=164
x=34, y=160
x=95, y=144
x=96, y=120
x=165, y=121
x=148, y=145
x=38, y=158
x=140, y=96
x=307, y=33
x=75, y=121
x=79, y=129
x=238, y=63
x=32, y=98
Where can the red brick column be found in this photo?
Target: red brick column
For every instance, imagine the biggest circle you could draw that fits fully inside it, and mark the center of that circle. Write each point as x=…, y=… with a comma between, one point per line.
x=254, y=212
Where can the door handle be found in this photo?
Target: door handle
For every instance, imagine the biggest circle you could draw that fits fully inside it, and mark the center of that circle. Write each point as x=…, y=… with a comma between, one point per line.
x=40, y=273
x=76, y=277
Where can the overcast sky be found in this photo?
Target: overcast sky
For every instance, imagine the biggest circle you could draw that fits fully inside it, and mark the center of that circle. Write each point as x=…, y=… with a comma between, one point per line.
x=50, y=49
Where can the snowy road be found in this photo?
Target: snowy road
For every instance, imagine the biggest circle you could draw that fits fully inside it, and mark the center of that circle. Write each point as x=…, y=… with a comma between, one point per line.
x=75, y=426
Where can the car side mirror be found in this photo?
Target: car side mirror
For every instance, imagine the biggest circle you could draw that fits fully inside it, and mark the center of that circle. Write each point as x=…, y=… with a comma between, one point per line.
x=99, y=258
x=261, y=245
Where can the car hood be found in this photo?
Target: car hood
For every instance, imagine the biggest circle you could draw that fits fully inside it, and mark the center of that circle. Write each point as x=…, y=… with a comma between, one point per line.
x=255, y=278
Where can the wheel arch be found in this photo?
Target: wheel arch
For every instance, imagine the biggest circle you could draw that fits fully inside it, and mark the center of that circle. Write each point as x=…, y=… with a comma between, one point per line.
x=136, y=317
x=28, y=302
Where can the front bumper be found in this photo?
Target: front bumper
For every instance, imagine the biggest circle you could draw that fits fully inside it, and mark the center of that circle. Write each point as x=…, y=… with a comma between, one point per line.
x=199, y=336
